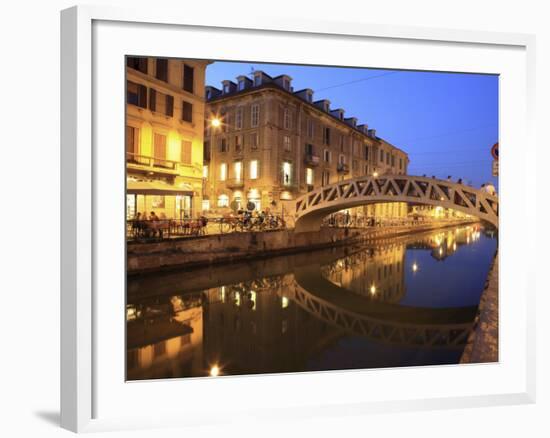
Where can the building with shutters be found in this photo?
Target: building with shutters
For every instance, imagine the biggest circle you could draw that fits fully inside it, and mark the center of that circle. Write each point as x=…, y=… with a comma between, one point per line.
x=164, y=136
x=275, y=144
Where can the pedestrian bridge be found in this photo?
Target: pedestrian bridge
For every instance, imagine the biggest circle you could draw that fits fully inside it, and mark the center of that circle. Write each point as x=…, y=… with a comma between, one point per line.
x=312, y=207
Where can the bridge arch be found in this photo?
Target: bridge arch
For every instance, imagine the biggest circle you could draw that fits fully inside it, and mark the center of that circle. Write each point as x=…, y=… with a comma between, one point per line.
x=312, y=207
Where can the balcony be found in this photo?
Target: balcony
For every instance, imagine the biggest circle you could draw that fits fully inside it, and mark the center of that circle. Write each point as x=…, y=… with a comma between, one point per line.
x=234, y=183
x=312, y=160
x=142, y=162
x=342, y=168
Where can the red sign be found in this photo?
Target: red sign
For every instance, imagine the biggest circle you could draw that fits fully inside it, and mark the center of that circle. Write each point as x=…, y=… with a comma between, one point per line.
x=494, y=151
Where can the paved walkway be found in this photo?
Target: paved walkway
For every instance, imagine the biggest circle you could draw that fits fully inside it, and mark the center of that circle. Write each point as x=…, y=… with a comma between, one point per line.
x=483, y=343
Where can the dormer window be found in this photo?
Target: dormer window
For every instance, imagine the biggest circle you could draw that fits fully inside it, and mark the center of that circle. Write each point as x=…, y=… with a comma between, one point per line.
x=309, y=96
x=257, y=80
x=226, y=88
x=241, y=84
x=286, y=83
x=208, y=94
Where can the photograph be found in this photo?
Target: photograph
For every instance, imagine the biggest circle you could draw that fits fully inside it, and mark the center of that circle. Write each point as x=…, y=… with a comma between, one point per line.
x=285, y=218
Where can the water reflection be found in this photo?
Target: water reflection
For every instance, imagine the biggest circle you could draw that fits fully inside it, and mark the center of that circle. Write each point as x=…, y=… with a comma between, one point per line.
x=354, y=307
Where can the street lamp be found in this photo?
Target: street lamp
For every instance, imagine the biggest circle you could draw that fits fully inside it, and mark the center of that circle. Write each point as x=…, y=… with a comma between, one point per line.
x=215, y=122
x=375, y=174
x=414, y=267
x=215, y=371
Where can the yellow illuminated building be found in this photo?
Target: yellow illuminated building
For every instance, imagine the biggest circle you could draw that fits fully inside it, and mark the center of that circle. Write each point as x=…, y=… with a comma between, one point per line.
x=164, y=136
x=267, y=144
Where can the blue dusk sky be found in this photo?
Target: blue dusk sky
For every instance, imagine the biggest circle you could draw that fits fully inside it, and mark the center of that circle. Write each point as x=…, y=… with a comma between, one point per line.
x=446, y=122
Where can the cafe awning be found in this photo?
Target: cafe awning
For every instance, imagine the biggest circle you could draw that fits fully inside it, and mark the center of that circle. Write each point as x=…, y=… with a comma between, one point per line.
x=157, y=188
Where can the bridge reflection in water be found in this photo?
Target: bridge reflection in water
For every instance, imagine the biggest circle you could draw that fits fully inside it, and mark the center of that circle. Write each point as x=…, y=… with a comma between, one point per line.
x=409, y=301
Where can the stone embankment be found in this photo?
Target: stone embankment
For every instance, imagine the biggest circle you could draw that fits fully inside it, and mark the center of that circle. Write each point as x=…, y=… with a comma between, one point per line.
x=168, y=254
x=482, y=346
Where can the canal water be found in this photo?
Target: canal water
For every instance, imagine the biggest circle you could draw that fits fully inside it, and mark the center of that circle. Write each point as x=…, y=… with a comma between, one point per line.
x=406, y=301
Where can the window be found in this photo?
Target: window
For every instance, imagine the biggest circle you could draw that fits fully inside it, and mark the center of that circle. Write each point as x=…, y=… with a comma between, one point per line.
x=186, y=111
x=206, y=150
x=238, y=143
x=287, y=176
x=286, y=84
x=136, y=94
x=326, y=156
x=241, y=84
x=400, y=163
x=131, y=137
x=309, y=176
x=162, y=69
x=366, y=169
x=257, y=80
x=342, y=159
x=161, y=103
x=223, y=144
x=381, y=156
x=185, y=152
x=309, y=149
x=254, y=141
x=238, y=169
x=286, y=143
x=387, y=158
x=393, y=161
x=325, y=178
x=239, y=118
x=159, y=149
x=286, y=118
x=205, y=171
x=326, y=135
x=169, y=107
x=223, y=201
x=310, y=128
x=255, y=116
x=226, y=88
x=188, y=78
x=342, y=143
x=366, y=152
x=254, y=169
x=137, y=63
x=223, y=172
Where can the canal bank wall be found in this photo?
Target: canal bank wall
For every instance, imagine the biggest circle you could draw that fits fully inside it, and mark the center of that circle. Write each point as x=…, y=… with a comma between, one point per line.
x=145, y=257
x=482, y=345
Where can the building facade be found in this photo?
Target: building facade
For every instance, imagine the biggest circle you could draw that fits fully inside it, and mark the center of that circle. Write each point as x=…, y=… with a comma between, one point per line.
x=164, y=136
x=270, y=144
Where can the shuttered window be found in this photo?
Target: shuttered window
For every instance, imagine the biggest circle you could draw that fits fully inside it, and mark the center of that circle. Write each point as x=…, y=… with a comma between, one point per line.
x=188, y=78
x=162, y=69
x=152, y=99
x=186, y=148
x=130, y=141
x=136, y=94
x=187, y=111
x=137, y=63
x=159, y=149
x=169, y=105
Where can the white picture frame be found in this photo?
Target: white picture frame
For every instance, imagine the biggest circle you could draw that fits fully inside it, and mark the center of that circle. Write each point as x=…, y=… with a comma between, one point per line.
x=85, y=375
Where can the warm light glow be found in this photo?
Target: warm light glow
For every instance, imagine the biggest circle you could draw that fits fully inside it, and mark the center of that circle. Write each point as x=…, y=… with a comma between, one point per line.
x=215, y=371
x=284, y=302
x=253, y=299
x=238, y=298
x=372, y=289
x=414, y=267
x=440, y=251
x=215, y=122
x=375, y=174
x=454, y=246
